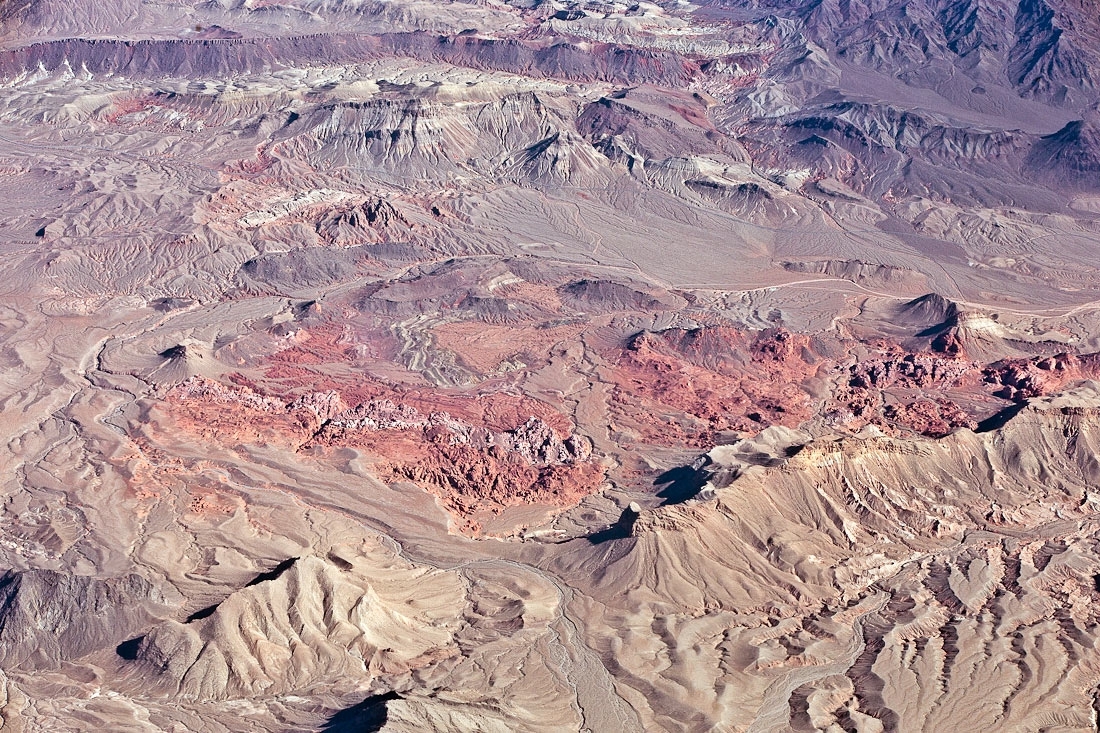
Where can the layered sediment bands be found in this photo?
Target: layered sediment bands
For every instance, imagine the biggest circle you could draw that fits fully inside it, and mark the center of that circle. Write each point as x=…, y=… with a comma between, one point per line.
x=221, y=57
x=869, y=506
x=861, y=272
x=362, y=618
x=526, y=137
x=892, y=572
x=998, y=597
x=639, y=122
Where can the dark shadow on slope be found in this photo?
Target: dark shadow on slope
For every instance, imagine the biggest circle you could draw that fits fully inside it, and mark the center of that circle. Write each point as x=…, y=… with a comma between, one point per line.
x=202, y=613
x=621, y=529
x=792, y=450
x=128, y=649
x=680, y=484
x=614, y=532
x=365, y=717
x=274, y=573
x=997, y=421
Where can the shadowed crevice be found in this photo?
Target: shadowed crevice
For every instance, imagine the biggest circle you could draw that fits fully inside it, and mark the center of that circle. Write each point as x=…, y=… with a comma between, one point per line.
x=367, y=716
x=999, y=420
x=680, y=484
x=128, y=649
x=202, y=613
x=274, y=573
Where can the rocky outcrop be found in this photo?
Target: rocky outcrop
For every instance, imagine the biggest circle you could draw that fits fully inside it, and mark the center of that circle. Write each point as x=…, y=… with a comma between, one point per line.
x=860, y=272
x=1070, y=157
x=375, y=220
x=534, y=442
x=1022, y=379
x=864, y=552
x=754, y=524
x=312, y=624
x=602, y=296
x=47, y=618
x=720, y=378
x=935, y=418
x=470, y=482
x=220, y=57
x=472, y=468
x=912, y=371
x=620, y=293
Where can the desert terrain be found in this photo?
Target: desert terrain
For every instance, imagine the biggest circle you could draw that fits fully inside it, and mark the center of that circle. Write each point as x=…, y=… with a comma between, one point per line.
x=523, y=365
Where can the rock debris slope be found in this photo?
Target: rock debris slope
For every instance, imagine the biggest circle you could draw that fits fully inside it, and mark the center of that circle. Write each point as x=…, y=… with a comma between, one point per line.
x=549, y=366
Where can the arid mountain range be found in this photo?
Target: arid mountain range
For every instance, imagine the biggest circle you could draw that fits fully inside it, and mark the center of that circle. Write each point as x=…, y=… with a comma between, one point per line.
x=508, y=365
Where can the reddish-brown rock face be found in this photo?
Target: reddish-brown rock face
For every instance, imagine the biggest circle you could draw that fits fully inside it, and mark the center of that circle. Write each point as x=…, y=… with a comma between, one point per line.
x=484, y=455
x=950, y=344
x=913, y=371
x=731, y=330
x=927, y=390
x=932, y=417
x=469, y=480
x=480, y=451
x=1022, y=379
x=722, y=379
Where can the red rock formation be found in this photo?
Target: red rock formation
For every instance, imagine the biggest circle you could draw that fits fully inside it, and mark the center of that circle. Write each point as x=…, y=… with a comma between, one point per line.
x=918, y=383
x=780, y=346
x=1022, y=379
x=482, y=347
x=470, y=480
x=932, y=417
x=950, y=344
x=724, y=378
x=486, y=455
x=913, y=371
